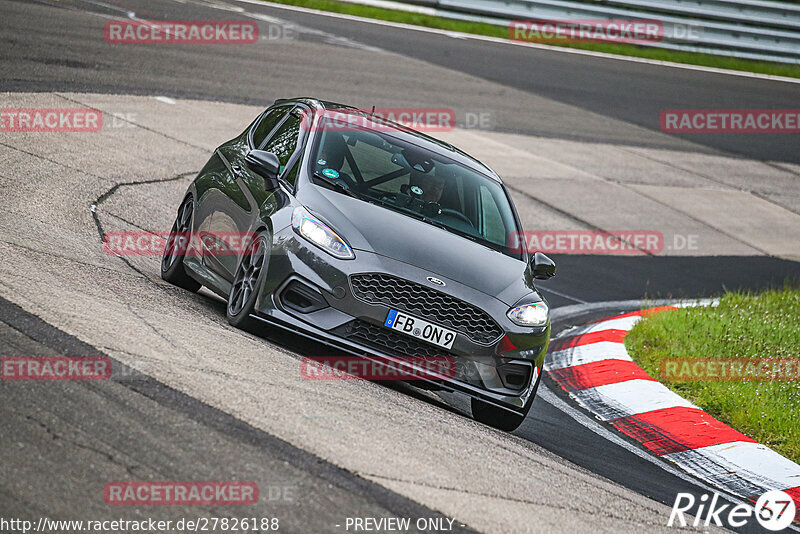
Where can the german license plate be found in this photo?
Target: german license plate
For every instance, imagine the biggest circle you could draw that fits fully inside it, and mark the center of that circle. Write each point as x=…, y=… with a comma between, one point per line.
x=420, y=329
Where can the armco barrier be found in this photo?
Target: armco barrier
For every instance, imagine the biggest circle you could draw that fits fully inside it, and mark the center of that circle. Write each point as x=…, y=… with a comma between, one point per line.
x=748, y=29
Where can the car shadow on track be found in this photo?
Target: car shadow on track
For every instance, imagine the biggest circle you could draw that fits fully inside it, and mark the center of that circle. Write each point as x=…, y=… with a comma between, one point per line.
x=300, y=347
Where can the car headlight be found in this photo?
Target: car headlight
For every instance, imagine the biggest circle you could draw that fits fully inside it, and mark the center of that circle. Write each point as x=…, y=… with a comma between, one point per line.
x=533, y=314
x=320, y=234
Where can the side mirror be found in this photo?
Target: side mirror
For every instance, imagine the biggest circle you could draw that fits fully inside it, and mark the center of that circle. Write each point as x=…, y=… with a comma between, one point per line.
x=265, y=164
x=543, y=267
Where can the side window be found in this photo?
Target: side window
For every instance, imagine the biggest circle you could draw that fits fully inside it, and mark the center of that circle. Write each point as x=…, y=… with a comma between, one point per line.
x=493, y=228
x=270, y=120
x=284, y=141
x=291, y=176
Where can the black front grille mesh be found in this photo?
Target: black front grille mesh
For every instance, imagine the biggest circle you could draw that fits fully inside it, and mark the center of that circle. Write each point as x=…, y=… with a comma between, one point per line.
x=399, y=345
x=426, y=303
x=393, y=344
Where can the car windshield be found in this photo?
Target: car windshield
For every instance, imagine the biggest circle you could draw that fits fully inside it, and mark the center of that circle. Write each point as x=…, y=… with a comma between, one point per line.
x=374, y=166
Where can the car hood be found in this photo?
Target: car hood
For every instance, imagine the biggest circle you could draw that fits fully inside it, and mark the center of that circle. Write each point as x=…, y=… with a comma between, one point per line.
x=443, y=254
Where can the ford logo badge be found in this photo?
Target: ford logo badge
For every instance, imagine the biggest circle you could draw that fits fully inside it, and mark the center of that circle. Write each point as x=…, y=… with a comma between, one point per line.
x=436, y=281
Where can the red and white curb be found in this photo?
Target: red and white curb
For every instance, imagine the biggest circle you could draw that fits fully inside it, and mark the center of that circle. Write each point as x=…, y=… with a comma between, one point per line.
x=592, y=366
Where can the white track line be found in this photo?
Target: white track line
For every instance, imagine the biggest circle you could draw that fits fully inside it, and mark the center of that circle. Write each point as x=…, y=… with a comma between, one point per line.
x=623, y=323
x=591, y=424
x=752, y=461
x=593, y=352
x=740, y=468
x=627, y=398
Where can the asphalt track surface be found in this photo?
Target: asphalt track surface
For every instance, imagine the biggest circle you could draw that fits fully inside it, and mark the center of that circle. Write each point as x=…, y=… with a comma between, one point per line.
x=60, y=50
x=45, y=48
x=126, y=432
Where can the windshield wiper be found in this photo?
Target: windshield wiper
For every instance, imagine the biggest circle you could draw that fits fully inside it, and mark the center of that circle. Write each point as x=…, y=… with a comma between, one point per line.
x=462, y=233
x=339, y=187
x=450, y=229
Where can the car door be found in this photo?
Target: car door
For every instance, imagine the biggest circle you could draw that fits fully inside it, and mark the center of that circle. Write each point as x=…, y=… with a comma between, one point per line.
x=228, y=206
x=285, y=139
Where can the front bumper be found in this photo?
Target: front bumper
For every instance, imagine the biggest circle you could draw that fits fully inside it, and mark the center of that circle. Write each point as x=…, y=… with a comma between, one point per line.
x=309, y=292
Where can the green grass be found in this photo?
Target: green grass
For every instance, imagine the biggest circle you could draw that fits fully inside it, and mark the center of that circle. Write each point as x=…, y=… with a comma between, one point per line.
x=491, y=30
x=741, y=326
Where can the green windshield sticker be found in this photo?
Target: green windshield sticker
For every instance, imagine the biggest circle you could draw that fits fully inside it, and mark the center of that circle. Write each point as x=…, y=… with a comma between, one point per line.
x=330, y=173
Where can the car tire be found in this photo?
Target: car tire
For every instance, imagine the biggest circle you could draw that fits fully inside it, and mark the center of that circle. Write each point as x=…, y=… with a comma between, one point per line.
x=247, y=283
x=172, y=269
x=498, y=418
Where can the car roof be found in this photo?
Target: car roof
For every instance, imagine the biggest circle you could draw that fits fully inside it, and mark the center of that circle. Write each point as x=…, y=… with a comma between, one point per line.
x=404, y=133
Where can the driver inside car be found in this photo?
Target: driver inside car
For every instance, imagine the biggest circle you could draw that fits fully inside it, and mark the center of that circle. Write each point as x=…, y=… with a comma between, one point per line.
x=332, y=157
x=439, y=197
x=432, y=185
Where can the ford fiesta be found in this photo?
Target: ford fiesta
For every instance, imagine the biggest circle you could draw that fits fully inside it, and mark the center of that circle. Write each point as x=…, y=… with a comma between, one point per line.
x=374, y=239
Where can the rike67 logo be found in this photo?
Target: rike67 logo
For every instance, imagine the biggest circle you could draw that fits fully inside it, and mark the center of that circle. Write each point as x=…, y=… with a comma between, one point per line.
x=774, y=510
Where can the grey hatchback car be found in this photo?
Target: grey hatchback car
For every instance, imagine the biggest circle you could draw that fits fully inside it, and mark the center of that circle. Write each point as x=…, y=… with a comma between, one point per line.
x=374, y=239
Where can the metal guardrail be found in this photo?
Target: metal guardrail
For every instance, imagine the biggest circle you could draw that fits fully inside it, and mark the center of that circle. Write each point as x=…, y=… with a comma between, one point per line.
x=749, y=29
x=770, y=14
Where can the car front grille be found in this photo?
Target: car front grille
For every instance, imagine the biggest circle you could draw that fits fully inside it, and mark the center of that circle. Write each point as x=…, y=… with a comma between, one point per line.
x=399, y=345
x=426, y=303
